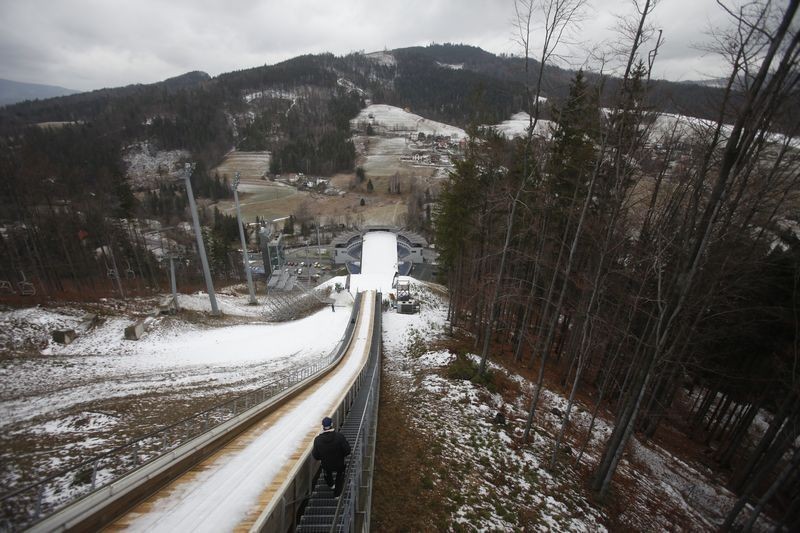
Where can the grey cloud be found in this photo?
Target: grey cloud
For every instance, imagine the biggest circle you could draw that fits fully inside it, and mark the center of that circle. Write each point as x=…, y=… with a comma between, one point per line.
x=86, y=44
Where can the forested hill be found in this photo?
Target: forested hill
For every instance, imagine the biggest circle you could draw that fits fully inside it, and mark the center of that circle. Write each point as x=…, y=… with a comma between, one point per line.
x=692, y=99
x=298, y=109
x=456, y=83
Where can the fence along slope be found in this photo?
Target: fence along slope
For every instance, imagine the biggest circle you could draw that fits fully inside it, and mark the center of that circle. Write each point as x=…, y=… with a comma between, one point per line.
x=264, y=467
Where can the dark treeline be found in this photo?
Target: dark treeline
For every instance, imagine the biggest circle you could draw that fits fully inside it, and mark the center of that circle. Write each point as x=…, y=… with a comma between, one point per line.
x=178, y=113
x=317, y=135
x=455, y=96
x=305, y=70
x=71, y=222
x=89, y=106
x=310, y=132
x=651, y=265
x=507, y=74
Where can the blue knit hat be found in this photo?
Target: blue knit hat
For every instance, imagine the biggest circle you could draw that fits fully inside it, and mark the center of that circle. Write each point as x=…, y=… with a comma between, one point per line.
x=327, y=423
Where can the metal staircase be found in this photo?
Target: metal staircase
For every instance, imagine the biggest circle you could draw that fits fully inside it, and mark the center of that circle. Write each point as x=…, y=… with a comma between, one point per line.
x=351, y=511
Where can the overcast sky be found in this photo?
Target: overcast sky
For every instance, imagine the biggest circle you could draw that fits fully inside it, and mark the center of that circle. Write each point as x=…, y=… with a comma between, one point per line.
x=90, y=44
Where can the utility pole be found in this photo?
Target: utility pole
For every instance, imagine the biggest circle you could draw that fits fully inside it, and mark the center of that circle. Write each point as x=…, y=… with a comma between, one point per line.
x=116, y=270
x=264, y=236
x=201, y=249
x=173, y=285
x=253, y=300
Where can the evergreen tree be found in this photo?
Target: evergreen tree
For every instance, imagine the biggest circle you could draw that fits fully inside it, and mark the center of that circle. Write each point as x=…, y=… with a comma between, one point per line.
x=574, y=137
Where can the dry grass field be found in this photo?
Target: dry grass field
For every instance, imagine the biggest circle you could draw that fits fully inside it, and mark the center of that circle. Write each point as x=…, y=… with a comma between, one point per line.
x=252, y=166
x=380, y=158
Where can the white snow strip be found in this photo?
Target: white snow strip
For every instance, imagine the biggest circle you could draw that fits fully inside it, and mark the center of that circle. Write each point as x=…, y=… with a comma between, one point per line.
x=220, y=496
x=378, y=263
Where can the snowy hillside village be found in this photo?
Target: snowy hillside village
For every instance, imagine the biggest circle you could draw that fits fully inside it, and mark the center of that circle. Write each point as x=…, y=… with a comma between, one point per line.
x=84, y=379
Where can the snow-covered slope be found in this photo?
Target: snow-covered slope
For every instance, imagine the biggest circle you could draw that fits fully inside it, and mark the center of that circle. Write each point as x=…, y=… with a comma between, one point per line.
x=147, y=166
x=391, y=119
x=382, y=58
x=171, y=356
x=378, y=263
x=517, y=126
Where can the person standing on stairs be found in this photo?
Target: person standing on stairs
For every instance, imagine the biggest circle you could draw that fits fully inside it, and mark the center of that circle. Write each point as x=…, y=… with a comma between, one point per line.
x=331, y=447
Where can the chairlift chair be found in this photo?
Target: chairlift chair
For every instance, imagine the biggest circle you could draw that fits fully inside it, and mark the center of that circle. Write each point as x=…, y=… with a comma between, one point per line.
x=129, y=273
x=26, y=288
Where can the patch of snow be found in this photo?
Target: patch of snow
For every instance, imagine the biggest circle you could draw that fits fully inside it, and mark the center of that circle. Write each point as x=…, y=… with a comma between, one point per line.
x=396, y=120
x=86, y=421
x=227, y=304
x=350, y=86
x=148, y=167
x=792, y=226
x=166, y=357
x=382, y=58
x=687, y=127
x=280, y=94
x=517, y=126
x=451, y=66
x=436, y=359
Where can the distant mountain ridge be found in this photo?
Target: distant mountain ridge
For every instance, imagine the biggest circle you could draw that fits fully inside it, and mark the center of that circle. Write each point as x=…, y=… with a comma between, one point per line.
x=486, y=88
x=190, y=79
x=294, y=107
x=12, y=91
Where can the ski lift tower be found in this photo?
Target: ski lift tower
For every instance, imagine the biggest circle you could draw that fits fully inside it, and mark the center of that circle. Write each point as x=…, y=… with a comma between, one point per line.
x=188, y=168
x=172, y=256
x=249, y=276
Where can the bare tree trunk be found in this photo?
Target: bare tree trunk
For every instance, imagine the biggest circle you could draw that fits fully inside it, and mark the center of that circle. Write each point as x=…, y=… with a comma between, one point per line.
x=561, y=295
x=493, y=302
x=586, y=335
x=522, y=333
x=790, y=467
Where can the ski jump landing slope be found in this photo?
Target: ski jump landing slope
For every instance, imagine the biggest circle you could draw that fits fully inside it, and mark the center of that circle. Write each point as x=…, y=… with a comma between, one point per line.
x=229, y=490
x=378, y=263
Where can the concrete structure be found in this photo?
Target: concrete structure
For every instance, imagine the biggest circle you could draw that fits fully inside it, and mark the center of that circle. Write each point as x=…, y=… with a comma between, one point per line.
x=135, y=331
x=272, y=251
x=410, y=246
x=64, y=336
x=347, y=247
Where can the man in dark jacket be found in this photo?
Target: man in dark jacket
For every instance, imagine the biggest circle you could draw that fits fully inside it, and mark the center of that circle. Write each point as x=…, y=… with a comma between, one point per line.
x=331, y=447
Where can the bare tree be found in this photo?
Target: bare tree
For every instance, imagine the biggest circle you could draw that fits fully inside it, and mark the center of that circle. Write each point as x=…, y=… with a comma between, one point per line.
x=560, y=15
